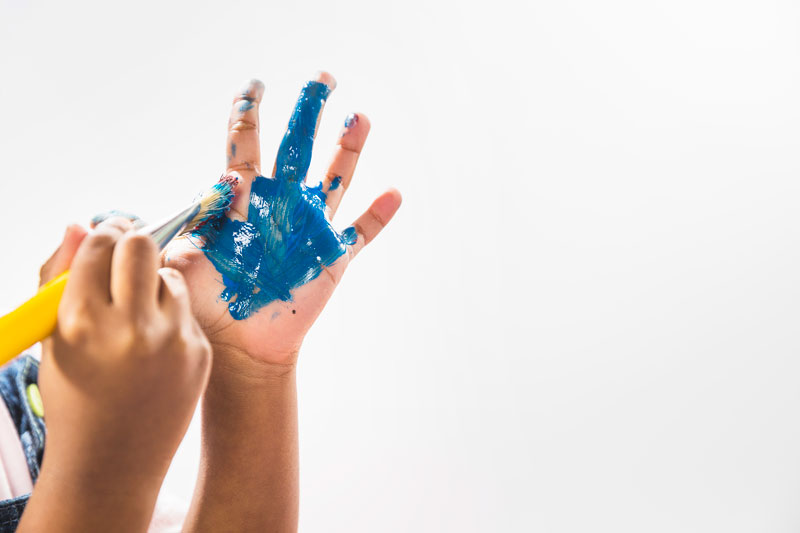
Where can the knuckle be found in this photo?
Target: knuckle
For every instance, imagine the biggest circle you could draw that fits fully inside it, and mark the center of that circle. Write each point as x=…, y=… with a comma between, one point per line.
x=101, y=239
x=376, y=218
x=360, y=231
x=137, y=337
x=243, y=125
x=202, y=350
x=116, y=223
x=171, y=274
x=73, y=332
x=351, y=147
x=138, y=244
x=242, y=166
x=76, y=324
x=178, y=343
x=189, y=339
x=174, y=281
x=188, y=350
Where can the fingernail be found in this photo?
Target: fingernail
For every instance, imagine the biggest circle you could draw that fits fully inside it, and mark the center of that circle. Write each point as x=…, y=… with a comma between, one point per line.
x=102, y=217
x=71, y=230
x=253, y=89
x=350, y=121
x=98, y=218
x=325, y=77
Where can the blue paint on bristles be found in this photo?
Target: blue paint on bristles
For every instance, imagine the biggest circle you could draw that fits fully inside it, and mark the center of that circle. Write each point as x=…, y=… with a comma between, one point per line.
x=215, y=203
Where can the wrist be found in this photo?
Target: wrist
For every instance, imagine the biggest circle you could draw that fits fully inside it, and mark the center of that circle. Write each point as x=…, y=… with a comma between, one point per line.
x=242, y=391
x=100, y=475
x=233, y=366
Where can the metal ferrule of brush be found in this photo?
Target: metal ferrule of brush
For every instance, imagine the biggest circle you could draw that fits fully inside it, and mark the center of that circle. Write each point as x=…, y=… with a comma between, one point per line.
x=166, y=230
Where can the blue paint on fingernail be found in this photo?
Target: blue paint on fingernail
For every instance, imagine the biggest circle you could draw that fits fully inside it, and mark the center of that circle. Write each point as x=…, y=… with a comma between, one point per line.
x=286, y=240
x=351, y=120
x=350, y=236
x=97, y=219
x=247, y=105
x=335, y=183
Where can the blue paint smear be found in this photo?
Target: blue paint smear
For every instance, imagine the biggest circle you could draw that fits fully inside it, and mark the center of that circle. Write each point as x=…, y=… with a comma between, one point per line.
x=233, y=149
x=286, y=240
x=335, y=183
x=351, y=119
x=350, y=236
x=247, y=105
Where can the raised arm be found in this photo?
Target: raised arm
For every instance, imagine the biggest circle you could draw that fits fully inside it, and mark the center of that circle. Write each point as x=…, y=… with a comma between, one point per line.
x=259, y=280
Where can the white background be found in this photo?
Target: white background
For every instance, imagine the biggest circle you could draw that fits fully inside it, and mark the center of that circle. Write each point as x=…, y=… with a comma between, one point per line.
x=583, y=318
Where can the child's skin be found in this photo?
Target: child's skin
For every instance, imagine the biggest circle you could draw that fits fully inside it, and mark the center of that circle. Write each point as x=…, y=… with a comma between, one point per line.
x=110, y=440
x=248, y=477
x=120, y=378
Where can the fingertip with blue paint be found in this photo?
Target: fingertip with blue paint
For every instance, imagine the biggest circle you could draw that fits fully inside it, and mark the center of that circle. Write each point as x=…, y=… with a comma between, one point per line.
x=350, y=121
x=294, y=154
x=252, y=89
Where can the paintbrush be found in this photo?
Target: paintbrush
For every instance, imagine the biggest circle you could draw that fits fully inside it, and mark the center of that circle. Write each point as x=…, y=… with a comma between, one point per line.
x=36, y=319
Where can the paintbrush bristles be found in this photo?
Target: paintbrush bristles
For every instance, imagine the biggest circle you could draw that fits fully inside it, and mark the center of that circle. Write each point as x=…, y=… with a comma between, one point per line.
x=214, y=203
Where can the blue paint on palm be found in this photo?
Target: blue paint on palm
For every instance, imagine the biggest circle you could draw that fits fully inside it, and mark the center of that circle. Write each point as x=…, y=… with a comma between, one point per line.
x=286, y=240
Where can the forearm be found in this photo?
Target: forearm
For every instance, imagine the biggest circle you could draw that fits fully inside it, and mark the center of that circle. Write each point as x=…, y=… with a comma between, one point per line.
x=248, y=478
x=68, y=499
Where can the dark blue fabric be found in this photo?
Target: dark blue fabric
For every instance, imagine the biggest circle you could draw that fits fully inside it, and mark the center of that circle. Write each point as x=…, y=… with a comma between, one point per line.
x=11, y=513
x=14, y=380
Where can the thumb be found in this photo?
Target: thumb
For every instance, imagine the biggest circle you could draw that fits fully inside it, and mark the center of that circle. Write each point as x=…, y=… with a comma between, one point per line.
x=62, y=257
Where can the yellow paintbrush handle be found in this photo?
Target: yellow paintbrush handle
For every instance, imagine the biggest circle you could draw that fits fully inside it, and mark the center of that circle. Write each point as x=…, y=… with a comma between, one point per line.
x=33, y=321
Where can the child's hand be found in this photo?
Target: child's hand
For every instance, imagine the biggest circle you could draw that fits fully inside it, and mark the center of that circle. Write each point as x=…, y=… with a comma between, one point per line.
x=120, y=378
x=258, y=283
x=253, y=317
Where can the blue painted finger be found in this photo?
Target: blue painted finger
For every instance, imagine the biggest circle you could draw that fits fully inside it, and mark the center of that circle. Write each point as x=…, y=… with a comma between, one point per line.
x=294, y=154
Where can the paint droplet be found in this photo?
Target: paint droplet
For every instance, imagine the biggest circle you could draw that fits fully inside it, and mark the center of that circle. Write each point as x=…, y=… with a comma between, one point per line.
x=294, y=312
x=335, y=183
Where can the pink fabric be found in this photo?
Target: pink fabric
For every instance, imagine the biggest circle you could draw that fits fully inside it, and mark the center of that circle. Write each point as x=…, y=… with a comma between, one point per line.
x=15, y=479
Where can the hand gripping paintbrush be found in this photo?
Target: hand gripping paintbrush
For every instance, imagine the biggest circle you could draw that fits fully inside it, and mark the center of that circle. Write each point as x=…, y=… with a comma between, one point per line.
x=36, y=319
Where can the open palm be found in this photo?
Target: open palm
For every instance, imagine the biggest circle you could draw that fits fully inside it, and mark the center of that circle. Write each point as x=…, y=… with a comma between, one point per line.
x=260, y=278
